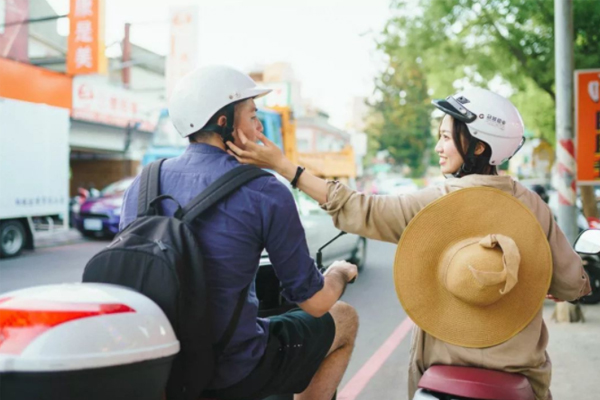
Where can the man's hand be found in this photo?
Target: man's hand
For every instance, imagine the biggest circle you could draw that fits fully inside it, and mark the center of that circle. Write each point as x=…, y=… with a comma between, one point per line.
x=350, y=271
x=266, y=156
x=337, y=277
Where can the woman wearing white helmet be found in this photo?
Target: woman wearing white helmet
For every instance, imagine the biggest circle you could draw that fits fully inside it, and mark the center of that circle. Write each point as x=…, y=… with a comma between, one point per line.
x=480, y=131
x=488, y=127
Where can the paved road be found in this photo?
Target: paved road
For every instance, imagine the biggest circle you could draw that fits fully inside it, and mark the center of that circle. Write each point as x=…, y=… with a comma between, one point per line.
x=373, y=295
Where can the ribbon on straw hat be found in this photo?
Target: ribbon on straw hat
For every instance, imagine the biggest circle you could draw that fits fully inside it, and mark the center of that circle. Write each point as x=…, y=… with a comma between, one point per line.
x=473, y=268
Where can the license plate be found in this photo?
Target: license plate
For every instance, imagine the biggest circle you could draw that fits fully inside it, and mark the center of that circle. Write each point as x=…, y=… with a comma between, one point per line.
x=92, y=224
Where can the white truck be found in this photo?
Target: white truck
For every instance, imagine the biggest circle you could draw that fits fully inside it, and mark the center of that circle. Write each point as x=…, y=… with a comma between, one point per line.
x=34, y=173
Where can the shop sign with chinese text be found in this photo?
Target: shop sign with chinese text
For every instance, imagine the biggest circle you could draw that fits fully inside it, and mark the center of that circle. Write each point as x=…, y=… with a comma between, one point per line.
x=85, y=54
x=183, y=44
x=587, y=126
x=101, y=103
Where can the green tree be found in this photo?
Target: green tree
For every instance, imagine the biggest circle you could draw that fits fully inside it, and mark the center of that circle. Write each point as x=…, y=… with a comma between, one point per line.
x=403, y=123
x=483, y=41
x=402, y=111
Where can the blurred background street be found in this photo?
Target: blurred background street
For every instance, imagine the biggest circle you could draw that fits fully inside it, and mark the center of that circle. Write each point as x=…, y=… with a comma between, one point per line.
x=84, y=95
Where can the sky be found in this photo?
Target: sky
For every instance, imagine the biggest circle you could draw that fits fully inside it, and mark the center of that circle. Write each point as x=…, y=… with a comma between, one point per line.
x=331, y=44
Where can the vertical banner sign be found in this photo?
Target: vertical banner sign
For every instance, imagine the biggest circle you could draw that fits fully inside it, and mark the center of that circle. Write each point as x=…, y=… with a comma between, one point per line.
x=182, y=57
x=14, y=38
x=587, y=126
x=85, y=54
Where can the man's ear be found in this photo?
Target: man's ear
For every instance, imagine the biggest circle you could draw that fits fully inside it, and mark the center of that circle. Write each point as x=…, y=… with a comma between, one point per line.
x=480, y=148
x=222, y=121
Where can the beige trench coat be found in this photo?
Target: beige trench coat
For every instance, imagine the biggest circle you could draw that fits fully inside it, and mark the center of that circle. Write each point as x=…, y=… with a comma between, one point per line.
x=385, y=218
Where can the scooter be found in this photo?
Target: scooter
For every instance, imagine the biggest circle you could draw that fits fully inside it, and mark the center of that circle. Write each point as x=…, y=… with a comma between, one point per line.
x=586, y=245
x=449, y=382
x=75, y=203
x=83, y=341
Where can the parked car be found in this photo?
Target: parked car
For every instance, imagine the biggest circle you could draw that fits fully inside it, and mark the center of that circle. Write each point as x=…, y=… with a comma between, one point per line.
x=99, y=216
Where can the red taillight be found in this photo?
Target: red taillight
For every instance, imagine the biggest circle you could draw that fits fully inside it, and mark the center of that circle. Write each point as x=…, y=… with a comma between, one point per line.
x=22, y=320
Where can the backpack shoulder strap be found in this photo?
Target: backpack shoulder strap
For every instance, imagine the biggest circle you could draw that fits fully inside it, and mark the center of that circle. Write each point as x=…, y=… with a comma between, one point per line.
x=228, y=334
x=149, y=187
x=219, y=189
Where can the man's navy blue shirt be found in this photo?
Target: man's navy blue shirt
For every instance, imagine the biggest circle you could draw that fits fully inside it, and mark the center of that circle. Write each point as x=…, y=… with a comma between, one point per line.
x=232, y=235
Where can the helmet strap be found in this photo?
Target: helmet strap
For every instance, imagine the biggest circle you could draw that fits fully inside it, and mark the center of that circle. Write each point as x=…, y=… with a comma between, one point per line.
x=225, y=131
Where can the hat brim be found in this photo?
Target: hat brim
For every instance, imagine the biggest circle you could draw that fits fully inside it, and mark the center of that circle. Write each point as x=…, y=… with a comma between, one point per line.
x=468, y=213
x=255, y=93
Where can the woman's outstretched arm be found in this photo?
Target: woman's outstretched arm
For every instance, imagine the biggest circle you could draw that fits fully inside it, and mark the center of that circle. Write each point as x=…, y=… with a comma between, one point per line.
x=375, y=217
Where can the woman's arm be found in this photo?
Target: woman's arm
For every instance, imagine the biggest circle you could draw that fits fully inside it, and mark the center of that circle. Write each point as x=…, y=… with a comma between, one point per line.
x=569, y=280
x=375, y=217
x=270, y=156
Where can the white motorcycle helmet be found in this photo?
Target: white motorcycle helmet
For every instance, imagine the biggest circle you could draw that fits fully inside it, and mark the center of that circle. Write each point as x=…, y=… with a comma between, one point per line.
x=490, y=118
x=206, y=90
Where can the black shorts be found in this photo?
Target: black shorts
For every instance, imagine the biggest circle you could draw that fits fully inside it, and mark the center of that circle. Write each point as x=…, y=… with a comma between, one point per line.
x=297, y=345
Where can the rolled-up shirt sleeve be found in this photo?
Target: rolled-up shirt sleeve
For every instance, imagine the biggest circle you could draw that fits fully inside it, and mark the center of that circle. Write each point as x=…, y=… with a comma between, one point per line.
x=285, y=241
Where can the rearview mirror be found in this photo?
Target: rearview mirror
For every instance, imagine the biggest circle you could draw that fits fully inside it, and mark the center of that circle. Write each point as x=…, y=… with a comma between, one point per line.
x=588, y=242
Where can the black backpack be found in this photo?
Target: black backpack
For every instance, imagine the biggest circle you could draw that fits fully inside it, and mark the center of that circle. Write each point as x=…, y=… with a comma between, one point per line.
x=159, y=257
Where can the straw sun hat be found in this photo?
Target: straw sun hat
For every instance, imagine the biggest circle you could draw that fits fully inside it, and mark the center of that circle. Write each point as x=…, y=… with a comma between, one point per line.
x=473, y=268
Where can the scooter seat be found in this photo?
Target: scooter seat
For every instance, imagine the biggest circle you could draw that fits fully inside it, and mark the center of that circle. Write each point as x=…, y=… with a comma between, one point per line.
x=476, y=383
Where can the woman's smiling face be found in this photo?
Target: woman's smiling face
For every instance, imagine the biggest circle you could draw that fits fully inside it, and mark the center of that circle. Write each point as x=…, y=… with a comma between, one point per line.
x=450, y=158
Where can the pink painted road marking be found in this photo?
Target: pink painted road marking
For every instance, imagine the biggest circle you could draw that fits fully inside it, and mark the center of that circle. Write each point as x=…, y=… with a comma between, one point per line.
x=360, y=380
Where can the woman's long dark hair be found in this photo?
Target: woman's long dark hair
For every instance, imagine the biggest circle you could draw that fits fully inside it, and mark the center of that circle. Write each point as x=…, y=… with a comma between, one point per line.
x=462, y=139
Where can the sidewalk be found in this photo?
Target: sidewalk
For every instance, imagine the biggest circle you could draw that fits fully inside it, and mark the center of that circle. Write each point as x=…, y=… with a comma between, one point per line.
x=575, y=353
x=60, y=238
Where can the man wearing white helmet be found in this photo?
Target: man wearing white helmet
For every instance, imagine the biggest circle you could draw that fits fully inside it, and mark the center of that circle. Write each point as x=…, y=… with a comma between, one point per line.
x=480, y=131
x=304, y=351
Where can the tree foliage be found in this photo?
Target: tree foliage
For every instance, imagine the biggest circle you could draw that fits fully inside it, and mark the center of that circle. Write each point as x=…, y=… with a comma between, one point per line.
x=403, y=126
x=452, y=43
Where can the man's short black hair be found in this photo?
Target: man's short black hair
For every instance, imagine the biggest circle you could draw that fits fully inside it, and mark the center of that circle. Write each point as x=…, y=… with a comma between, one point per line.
x=203, y=136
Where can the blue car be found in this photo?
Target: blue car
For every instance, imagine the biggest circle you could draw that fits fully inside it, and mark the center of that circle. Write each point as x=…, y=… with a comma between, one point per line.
x=100, y=216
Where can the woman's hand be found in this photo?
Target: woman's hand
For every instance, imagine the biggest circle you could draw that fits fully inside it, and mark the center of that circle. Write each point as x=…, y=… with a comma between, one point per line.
x=267, y=156
x=271, y=157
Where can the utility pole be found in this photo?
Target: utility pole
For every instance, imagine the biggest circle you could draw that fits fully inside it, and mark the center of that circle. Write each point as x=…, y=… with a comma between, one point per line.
x=565, y=148
x=126, y=58
x=126, y=81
